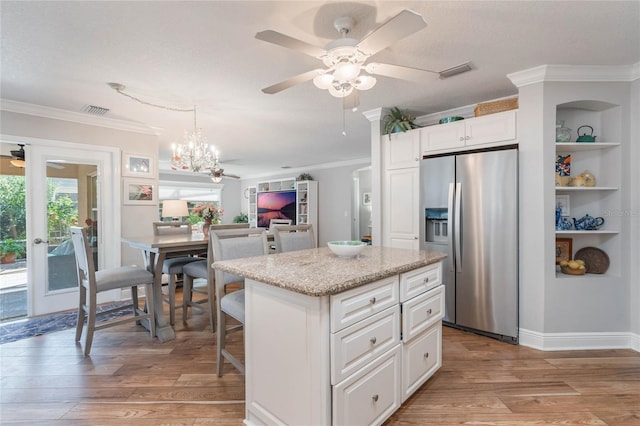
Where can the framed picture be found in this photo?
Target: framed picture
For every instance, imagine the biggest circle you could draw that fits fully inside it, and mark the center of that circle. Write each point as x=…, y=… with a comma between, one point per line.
x=563, y=201
x=138, y=165
x=139, y=192
x=366, y=198
x=564, y=249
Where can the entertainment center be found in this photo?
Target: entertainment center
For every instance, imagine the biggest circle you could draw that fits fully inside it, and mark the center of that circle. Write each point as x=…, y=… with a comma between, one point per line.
x=284, y=199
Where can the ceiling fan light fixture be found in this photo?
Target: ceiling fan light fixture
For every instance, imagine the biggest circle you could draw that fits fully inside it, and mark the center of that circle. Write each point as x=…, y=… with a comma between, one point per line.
x=18, y=163
x=323, y=81
x=365, y=82
x=346, y=71
x=340, y=90
x=216, y=177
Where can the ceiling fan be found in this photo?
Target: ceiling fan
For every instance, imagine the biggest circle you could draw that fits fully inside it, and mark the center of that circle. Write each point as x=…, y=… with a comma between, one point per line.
x=346, y=57
x=17, y=159
x=217, y=172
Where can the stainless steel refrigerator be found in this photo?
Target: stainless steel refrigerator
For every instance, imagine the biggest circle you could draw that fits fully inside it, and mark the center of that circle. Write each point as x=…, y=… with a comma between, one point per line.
x=470, y=206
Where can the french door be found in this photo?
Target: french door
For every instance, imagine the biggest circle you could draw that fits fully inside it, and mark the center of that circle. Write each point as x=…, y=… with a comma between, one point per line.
x=68, y=184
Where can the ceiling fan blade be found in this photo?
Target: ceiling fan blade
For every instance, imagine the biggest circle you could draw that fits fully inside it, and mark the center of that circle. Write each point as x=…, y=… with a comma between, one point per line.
x=400, y=26
x=352, y=101
x=298, y=79
x=280, y=39
x=231, y=176
x=399, y=71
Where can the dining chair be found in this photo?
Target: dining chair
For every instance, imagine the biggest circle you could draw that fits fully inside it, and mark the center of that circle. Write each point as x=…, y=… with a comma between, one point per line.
x=92, y=282
x=227, y=245
x=202, y=269
x=293, y=237
x=173, y=266
x=274, y=222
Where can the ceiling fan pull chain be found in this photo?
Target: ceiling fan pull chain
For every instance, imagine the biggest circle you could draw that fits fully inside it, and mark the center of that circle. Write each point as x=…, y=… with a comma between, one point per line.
x=344, y=131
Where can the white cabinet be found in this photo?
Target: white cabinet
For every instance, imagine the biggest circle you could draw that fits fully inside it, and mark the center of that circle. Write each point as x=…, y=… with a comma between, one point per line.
x=402, y=150
x=401, y=221
x=488, y=130
x=401, y=190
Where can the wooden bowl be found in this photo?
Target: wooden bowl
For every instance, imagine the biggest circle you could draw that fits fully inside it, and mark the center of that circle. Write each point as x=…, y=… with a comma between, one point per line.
x=569, y=271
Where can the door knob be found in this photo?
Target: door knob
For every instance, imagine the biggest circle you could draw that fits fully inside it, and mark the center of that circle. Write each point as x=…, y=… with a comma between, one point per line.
x=40, y=241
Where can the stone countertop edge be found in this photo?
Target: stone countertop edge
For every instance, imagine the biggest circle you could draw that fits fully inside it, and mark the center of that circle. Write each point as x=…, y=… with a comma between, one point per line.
x=319, y=272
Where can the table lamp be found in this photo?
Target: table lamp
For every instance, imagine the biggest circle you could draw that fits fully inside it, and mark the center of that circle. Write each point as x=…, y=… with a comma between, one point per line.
x=174, y=209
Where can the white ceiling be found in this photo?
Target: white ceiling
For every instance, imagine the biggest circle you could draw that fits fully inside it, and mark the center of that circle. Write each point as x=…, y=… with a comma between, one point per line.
x=62, y=54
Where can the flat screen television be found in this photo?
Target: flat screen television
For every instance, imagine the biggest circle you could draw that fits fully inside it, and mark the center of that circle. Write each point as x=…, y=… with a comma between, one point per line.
x=276, y=205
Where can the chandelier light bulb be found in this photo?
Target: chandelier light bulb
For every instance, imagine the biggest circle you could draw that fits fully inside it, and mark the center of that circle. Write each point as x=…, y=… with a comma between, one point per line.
x=346, y=71
x=323, y=81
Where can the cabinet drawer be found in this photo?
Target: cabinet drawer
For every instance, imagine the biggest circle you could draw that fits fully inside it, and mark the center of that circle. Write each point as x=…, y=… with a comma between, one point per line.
x=355, y=346
x=356, y=304
x=421, y=312
x=372, y=395
x=421, y=358
x=418, y=281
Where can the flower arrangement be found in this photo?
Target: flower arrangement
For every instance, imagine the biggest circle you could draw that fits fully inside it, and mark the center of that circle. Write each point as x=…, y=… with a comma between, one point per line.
x=209, y=212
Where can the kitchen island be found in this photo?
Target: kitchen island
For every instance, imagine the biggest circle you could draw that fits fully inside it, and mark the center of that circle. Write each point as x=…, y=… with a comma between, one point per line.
x=338, y=341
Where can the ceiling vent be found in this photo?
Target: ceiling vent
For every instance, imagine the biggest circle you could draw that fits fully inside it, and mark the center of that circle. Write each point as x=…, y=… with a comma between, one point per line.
x=95, y=110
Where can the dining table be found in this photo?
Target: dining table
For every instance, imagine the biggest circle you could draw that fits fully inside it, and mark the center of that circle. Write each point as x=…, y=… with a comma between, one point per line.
x=155, y=249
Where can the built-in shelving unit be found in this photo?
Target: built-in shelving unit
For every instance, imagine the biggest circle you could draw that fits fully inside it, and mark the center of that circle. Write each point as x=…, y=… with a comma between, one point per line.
x=603, y=160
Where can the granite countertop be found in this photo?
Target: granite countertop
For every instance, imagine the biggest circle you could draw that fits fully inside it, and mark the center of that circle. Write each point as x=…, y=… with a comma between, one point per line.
x=319, y=272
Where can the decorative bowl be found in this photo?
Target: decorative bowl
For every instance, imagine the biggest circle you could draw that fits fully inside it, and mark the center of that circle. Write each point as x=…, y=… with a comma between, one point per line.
x=450, y=119
x=346, y=249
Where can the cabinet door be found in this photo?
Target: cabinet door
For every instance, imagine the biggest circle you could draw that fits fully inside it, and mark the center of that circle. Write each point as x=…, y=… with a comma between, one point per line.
x=491, y=128
x=421, y=358
x=402, y=150
x=402, y=208
x=442, y=137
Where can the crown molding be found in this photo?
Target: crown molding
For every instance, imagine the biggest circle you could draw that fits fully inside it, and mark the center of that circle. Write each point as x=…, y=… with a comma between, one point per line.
x=373, y=115
x=76, y=117
x=575, y=73
x=297, y=170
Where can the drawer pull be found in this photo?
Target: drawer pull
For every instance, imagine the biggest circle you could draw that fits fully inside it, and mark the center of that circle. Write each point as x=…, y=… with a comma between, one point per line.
x=426, y=355
x=372, y=300
x=426, y=280
x=375, y=398
x=429, y=311
x=373, y=340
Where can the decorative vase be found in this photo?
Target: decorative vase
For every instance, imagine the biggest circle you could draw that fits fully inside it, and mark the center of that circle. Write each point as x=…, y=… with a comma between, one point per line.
x=205, y=228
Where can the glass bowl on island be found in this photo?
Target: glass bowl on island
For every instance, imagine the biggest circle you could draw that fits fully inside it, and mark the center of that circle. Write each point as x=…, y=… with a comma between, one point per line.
x=346, y=249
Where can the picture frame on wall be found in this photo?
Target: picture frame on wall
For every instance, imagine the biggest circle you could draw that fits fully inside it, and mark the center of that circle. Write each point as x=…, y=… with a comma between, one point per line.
x=564, y=249
x=138, y=165
x=139, y=192
x=366, y=199
x=564, y=202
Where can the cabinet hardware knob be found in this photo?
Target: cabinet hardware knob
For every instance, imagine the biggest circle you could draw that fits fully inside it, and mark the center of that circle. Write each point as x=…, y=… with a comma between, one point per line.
x=372, y=300
x=373, y=340
x=467, y=137
x=426, y=280
x=426, y=355
x=375, y=398
x=461, y=139
x=429, y=311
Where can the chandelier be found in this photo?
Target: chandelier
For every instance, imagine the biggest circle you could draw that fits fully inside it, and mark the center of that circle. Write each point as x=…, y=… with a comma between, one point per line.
x=194, y=153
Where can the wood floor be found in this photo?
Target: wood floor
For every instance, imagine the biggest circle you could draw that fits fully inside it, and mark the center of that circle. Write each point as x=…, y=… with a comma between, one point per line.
x=130, y=379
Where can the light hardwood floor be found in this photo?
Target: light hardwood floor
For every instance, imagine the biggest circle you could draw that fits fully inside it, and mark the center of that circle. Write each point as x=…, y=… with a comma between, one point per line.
x=130, y=379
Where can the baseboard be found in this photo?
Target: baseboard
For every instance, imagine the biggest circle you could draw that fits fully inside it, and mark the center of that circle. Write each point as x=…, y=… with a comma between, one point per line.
x=579, y=341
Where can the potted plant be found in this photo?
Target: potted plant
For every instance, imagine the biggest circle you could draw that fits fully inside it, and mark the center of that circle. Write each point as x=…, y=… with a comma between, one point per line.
x=241, y=218
x=9, y=249
x=304, y=176
x=398, y=121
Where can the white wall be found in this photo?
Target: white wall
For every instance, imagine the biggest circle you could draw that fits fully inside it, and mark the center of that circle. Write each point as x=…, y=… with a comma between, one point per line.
x=634, y=204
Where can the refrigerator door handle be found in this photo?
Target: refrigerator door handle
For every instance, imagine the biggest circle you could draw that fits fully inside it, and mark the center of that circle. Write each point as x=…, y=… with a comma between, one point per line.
x=450, y=230
x=457, y=228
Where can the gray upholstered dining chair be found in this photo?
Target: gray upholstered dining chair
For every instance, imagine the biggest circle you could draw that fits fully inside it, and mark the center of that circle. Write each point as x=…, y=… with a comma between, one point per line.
x=227, y=245
x=293, y=237
x=276, y=222
x=202, y=269
x=92, y=282
x=173, y=265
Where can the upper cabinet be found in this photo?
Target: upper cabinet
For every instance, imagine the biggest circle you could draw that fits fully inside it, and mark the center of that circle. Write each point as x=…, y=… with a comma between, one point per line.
x=402, y=150
x=485, y=131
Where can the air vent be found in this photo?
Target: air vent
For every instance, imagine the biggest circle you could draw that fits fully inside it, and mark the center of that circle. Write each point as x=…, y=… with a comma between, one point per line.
x=95, y=110
x=455, y=70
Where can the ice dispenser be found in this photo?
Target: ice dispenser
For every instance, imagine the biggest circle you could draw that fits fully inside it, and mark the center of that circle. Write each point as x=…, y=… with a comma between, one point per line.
x=436, y=225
